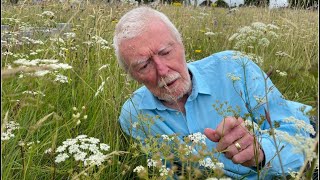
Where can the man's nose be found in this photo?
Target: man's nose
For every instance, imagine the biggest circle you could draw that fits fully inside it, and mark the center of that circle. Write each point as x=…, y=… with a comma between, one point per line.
x=161, y=66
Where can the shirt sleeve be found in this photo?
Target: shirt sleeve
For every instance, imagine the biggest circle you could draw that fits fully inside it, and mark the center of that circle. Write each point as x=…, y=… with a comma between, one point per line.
x=258, y=92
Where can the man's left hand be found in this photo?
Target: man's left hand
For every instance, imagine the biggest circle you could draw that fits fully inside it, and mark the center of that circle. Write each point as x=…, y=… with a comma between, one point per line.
x=236, y=142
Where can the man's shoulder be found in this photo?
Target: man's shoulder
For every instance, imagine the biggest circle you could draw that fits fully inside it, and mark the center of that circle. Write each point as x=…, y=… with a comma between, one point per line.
x=136, y=97
x=219, y=57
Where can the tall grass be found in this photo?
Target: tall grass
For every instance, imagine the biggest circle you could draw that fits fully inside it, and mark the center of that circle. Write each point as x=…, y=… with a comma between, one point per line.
x=299, y=39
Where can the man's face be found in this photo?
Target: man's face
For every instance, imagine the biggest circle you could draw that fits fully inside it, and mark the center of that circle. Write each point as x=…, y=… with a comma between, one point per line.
x=156, y=59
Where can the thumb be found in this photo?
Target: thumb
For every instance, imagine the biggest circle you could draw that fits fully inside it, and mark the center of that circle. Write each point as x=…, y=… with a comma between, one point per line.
x=211, y=134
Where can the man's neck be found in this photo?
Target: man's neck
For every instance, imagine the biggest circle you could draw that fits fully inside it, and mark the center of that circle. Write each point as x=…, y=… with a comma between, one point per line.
x=178, y=104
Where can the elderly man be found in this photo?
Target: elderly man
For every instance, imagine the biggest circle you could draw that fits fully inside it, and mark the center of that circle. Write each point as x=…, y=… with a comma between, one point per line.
x=150, y=49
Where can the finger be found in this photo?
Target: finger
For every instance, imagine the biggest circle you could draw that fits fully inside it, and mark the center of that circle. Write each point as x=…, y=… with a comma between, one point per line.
x=244, y=142
x=243, y=156
x=211, y=134
x=228, y=139
x=253, y=162
x=227, y=124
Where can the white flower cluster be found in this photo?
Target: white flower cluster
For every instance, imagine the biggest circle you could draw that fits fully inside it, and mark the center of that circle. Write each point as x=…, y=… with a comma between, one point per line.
x=77, y=115
x=209, y=33
x=197, y=138
x=300, y=124
x=61, y=78
x=233, y=77
x=208, y=163
x=32, y=41
x=281, y=73
x=34, y=93
x=256, y=34
x=260, y=100
x=151, y=163
x=99, y=40
x=283, y=54
x=8, y=134
x=47, y=13
x=138, y=169
x=49, y=63
x=83, y=148
x=167, y=138
x=164, y=171
x=70, y=35
x=300, y=143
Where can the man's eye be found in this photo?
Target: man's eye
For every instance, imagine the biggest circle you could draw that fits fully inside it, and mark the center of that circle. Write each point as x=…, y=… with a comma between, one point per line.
x=144, y=66
x=165, y=53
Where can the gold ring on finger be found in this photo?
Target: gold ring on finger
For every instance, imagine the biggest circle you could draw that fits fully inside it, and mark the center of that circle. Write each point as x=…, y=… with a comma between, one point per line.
x=238, y=146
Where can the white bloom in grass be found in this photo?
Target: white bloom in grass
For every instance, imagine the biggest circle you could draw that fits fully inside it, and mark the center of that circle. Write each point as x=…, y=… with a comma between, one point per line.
x=264, y=42
x=233, y=77
x=78, y=122
x=283, y=54
x=34, y=93
x=60, y=66
x=245, y=30
x=80, y=156
x=189, y=150
x=70, y=35
x=208, y=163
x=197, y=138
x=83, y=148
x=138, y=169
x=85, y=117
x=8, y=132
x=105, y=47
x=151, y=163
x=26, y=62
x=259, y=25
x=61, y=157
x=7, y=53
x=281, y=73
x=164, y=171
x=74, y=108
x=48, y=151
x=104, y=147
x=209, y=33
x=272, y=26
x=100, y=89
x=41, y=73
x=47, y=13
x=76, y=116
x=61, y=148
x=61, y=78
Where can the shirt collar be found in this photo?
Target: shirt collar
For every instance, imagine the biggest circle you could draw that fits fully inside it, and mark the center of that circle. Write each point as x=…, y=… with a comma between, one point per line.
x=199, y=86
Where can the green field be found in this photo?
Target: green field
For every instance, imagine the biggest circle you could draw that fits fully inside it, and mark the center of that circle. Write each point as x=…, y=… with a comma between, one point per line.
x=87, y=98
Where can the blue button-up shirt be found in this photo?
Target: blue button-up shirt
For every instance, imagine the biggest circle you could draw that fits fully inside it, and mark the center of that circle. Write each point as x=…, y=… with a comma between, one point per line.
x=222, y=77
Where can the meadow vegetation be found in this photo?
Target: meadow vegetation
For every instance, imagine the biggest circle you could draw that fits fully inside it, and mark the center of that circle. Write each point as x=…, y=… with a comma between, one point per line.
x=62, y=86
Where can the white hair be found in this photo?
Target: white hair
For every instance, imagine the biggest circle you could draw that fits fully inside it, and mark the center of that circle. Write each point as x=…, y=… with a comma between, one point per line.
x=134, y=23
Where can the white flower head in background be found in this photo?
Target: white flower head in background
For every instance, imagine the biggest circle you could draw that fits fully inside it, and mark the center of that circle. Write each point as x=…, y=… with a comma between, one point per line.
x=9, y=128
x=89, y=150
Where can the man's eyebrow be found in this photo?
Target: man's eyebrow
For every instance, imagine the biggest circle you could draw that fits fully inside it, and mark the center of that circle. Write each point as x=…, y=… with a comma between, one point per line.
x=137, y=63
x=165, y=47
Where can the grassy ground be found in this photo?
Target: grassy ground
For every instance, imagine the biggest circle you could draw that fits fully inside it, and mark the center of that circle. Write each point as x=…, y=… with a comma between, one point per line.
x=49, y=120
